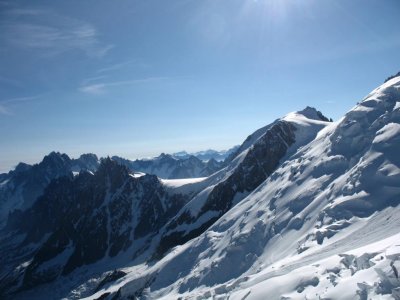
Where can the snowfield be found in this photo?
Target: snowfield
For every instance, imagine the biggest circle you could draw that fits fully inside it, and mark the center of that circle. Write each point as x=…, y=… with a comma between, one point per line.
x=324, y=225
x=181, y=182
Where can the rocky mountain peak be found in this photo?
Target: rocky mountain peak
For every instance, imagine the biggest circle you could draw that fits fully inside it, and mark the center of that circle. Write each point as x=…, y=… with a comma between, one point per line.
x=164, y=156
x=109, y=167
x=56, y=159
x=22, y=167
x=314, y=114
x=391, y=77
x=89, y=158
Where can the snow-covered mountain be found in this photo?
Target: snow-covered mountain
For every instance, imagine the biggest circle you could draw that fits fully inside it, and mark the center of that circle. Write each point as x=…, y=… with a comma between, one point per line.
x=206, y=155
x=303, y=209
x=65, y=250
x=80, y=220
x=22, y=186
x=260, y=154
x=169, y=167
x=323, y=225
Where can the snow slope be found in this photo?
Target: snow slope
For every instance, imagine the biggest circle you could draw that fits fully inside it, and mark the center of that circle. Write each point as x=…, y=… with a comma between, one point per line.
x=269, y=146
x=323, y=225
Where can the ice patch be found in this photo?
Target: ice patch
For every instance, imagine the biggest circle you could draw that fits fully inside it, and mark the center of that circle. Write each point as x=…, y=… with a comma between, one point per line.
x=137, y=174
x=180, y=182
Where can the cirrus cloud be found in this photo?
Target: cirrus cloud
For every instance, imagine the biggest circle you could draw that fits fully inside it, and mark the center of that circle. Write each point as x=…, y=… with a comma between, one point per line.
x=49, y=32
x=6, y=103
x=101, y=88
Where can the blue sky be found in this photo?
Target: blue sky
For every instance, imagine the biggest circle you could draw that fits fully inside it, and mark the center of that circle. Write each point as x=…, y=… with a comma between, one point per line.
x=137, y=78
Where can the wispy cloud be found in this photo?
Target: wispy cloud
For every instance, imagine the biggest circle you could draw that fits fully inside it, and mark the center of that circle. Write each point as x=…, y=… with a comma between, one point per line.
x=47, y=31
x=93, y=79
x=27, y=11
x=101, y=88
x=121, y=65
x=6, y=103
x=94, y=85
x=94, y=89
x=19, y=99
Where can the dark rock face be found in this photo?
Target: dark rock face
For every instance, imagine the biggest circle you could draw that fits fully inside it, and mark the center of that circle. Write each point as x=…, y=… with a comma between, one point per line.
x=110, y=277
x=260, y=161
x=258, y=164
x=26, y=183
x=393, y=76
x=88, y=162
x=211, y=167
x=247, y=143
x=80, y=220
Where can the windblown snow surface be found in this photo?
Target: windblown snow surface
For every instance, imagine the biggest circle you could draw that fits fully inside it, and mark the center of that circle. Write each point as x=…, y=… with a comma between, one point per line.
x=324, y=225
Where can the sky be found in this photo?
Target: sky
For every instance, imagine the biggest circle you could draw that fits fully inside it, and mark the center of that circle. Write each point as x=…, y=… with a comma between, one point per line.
x=137, y=78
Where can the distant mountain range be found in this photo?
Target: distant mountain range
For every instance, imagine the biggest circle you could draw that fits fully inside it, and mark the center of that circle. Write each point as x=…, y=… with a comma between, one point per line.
x=181, y=164
x=169, y=167
x=304, y=208
x=207, y=154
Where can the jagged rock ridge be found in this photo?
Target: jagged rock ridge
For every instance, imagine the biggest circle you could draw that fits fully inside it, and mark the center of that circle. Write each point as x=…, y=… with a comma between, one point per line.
x=80, y=220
